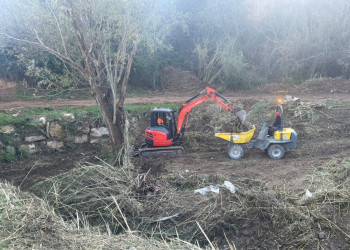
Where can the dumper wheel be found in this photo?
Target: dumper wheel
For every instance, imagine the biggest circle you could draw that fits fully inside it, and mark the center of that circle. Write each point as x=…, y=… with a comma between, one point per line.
x=236, y=152
x=276, y=151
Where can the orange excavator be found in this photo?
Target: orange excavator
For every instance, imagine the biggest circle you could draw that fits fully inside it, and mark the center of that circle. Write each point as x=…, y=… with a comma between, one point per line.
x=164, y=136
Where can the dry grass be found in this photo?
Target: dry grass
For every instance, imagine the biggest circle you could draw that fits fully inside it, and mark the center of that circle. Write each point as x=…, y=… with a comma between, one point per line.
x=254, y=216
x=94, y=191
x=28, y=222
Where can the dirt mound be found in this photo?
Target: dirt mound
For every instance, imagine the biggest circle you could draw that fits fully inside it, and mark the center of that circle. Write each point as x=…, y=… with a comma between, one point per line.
x=325, y=85
x=179, y=81
x=275, y=88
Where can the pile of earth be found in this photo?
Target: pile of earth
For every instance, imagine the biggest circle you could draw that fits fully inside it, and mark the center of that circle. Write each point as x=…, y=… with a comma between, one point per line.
x=325, y=85
x=275, y=88
x=178, y=81
x=312, y=86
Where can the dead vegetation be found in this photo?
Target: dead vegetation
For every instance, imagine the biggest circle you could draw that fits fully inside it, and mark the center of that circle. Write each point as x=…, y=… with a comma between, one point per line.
x=29, y=222
x=167, y=207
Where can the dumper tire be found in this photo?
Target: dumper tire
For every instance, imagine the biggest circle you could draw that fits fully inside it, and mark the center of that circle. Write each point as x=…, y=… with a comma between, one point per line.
x=276, y=151
x=236, y=152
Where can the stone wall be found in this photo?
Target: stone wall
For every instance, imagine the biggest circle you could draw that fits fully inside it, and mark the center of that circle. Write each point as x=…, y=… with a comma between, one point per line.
x=45, y=136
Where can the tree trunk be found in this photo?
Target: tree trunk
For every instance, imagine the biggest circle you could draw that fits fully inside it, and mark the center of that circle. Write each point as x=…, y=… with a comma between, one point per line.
x=115, y=129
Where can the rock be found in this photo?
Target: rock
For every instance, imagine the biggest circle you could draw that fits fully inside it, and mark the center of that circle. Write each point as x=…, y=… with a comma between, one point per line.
x=99, y=132
x=69, y=117
x=35, y=138
x=8, y=129
x=81, y=139
x=55, y=144
x=95, y=140
x=28, y=149
x=33, y=149
x=56, y=131
x=84, y=128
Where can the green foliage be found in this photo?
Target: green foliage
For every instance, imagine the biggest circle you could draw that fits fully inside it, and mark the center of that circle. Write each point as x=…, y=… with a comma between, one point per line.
x=239, y=44
x=23, y=151
x=48, y=72
x=6, y=119
x=7, y=156
x=312, y=116
x=10, y=67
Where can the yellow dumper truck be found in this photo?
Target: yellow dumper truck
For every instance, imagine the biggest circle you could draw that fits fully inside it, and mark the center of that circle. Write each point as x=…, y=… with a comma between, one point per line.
x=275, y=146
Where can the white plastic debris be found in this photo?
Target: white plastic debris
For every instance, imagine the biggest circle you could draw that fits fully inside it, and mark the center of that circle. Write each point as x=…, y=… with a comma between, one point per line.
x=216, y=188
x=42, y=120
x=308, y=193
x=228, y=185
x=289, y=98
x=211, y=188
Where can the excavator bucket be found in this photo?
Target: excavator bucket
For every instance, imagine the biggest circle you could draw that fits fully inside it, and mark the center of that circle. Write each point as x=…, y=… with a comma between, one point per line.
x=242, y=114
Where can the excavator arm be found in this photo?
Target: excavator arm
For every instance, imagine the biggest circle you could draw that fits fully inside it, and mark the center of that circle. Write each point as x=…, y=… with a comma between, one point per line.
x=194, y=101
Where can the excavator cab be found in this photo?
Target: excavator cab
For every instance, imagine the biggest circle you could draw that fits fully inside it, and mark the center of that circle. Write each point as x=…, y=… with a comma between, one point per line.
x=162, y=129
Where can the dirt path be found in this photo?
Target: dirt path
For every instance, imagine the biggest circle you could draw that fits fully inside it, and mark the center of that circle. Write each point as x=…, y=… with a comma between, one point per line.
x=158, y=99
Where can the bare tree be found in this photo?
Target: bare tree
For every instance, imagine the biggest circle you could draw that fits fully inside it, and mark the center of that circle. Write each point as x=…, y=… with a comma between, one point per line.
x=99, y=39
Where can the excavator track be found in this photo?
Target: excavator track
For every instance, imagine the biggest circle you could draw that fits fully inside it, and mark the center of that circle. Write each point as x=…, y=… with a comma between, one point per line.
x=160, y=151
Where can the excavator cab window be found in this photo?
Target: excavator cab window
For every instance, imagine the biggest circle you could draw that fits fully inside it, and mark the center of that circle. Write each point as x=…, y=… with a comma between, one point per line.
x=160, y=118
x=163, y=118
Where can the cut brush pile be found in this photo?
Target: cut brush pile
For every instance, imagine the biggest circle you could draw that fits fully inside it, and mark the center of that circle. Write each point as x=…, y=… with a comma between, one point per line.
x=29, y=222
x=254, y=217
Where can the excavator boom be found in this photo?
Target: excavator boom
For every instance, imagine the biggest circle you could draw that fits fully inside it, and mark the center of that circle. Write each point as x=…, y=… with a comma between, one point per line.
x=188, y=105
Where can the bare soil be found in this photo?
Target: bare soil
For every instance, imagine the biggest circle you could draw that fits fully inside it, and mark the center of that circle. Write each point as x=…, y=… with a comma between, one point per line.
x=213, y=158
x=170, y=97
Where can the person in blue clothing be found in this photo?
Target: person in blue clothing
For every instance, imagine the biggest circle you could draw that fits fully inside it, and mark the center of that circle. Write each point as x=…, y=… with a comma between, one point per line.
x=276, y=125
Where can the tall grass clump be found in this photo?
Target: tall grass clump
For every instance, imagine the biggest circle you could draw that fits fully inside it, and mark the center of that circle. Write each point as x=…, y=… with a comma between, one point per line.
x=104, y=194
